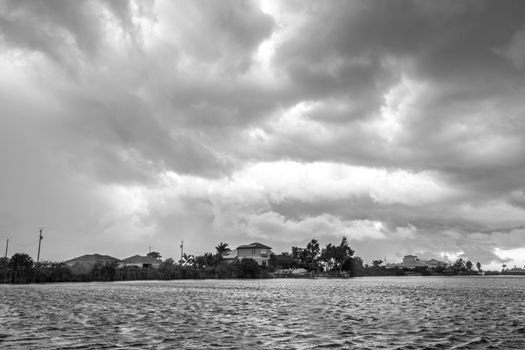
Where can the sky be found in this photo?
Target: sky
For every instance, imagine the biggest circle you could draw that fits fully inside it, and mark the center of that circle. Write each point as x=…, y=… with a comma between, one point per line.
x=126, y=125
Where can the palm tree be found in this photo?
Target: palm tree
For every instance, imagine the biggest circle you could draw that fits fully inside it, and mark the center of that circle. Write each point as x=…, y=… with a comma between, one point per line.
x=343, y=252
x=222, y=248
x=187, y=260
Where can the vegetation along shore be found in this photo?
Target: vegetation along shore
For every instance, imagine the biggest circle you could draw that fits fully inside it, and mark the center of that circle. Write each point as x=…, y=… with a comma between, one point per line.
x=310, y=261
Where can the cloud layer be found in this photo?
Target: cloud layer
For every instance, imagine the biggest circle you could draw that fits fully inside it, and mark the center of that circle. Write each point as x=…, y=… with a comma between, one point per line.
x=396, y=123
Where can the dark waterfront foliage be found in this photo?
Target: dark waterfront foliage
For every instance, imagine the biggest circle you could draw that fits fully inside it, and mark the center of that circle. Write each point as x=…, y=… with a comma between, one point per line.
x=20, y=261
x=222, y=248
x=333, y=260
x=155, y=255
x=59, y=272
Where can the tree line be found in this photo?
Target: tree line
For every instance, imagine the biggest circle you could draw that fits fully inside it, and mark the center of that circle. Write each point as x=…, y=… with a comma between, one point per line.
x=331, y=260
x=21, y=268
x=340, y=258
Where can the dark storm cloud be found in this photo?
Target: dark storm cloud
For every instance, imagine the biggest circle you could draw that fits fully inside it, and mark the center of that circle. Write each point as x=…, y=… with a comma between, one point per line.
x=452, y=47
x=123, y=137
x=467, y=120
x=59, y=28
x=120, y=136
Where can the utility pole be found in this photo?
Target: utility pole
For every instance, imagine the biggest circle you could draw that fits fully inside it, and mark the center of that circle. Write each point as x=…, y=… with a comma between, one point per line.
x=181, y=251
x=39, y=241
x=6, y=247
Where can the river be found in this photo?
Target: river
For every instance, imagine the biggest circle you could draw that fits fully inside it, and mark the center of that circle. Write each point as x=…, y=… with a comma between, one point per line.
x=361, y=313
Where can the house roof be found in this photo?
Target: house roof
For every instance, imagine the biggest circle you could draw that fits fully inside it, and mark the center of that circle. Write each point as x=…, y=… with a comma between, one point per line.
x=254, y=245
x=138, y=259
x=435, y=261
x=92, y=258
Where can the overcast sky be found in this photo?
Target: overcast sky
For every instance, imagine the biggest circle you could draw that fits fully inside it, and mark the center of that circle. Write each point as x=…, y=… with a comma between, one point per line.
x=398, y=124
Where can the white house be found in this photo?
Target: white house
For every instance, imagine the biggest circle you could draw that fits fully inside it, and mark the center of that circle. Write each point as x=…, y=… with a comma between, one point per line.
x=412, y=261
x=256, y=251
x=140, y=261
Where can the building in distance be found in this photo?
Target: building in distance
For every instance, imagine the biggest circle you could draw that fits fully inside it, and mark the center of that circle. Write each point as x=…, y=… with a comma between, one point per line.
x=412, y=262
x=259, y=252
x=140, y=261
x=91, y=259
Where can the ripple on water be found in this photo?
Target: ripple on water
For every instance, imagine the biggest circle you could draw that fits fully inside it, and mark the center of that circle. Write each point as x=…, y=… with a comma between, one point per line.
x=373, y=313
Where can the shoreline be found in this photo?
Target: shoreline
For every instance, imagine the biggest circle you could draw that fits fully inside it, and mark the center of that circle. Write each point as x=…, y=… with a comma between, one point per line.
x=321, y=277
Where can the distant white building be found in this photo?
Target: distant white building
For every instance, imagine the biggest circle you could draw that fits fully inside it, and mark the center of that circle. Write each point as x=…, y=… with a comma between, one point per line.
x=256, y=251
x=140, y=261
x=412, y=261
x=517, y=270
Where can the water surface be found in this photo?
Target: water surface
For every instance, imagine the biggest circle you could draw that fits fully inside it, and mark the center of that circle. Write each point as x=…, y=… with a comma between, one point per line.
x=361, y=313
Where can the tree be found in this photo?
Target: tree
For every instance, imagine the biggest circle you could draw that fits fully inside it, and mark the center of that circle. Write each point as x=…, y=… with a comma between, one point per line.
x=469, y=265
x=168, y=268
x=249, y=268
x=478, y=266
x=208, y=259
x=356, y=266
x=343, y=252
x=155, y=255
x=310, y=255
x=4, y=263
x=222, y=248
x=187, y=260
x=20, y=261
x=327, y=255
x=104, y=272
x=459, y=266
x=336, y=256
x=377, y=263
x=297, y=253
x=312, y=249
x=169, y=262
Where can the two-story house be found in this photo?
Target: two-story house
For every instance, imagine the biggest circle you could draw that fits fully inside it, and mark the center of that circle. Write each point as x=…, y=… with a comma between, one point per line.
x=412, y=262
x=256, y=251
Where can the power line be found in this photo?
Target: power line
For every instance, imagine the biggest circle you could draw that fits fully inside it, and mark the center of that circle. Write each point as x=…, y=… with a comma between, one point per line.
x=8, y=236
x=23, y=244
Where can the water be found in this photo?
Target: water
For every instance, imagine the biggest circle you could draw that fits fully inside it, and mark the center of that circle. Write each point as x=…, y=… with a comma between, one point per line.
x=361, y=313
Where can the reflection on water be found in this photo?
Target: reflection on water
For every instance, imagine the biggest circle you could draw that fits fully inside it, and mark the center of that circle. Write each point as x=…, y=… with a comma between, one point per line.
x=364, y=313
